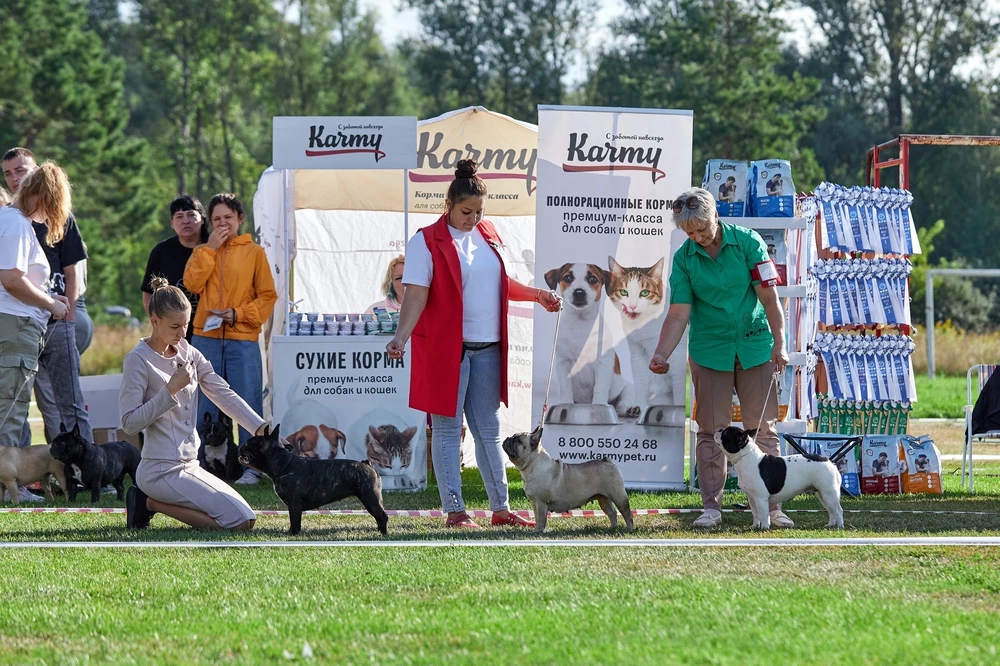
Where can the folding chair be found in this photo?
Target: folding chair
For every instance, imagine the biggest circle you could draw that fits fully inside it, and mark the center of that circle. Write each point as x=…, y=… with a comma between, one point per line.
x=983, y=372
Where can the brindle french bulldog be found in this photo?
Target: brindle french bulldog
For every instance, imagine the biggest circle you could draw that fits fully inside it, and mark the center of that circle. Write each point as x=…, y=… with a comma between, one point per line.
x=553, y=485
x=304, y=484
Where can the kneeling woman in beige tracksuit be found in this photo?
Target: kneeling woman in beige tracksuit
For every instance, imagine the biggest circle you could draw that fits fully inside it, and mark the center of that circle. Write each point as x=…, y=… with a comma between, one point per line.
x=159, y=396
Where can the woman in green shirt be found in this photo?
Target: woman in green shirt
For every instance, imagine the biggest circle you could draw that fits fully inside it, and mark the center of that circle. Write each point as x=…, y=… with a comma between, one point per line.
x=722, y=282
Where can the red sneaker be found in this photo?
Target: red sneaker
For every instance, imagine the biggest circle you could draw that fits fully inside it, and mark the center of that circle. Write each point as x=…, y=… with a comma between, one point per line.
x=512, y=519
x=461, y=520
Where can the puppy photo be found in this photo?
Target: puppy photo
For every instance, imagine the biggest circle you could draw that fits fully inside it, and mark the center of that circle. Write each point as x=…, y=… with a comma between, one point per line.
x=553, y=485
x=94, y=466
x=587, y=369
x=315, y=433
x=304, y=484
x=217, y=453
x=322, y=442
x=23, y=466
x=768, y=479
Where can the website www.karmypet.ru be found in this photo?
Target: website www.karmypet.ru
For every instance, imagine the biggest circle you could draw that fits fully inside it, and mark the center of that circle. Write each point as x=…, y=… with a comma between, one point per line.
x=614, y=457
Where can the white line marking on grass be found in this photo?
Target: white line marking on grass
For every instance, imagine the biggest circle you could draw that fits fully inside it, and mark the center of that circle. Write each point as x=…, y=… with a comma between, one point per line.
x=480, y=513
x=534, y=543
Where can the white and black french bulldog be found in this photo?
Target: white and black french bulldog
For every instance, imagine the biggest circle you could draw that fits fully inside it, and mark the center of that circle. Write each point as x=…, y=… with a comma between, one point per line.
x=768, y=479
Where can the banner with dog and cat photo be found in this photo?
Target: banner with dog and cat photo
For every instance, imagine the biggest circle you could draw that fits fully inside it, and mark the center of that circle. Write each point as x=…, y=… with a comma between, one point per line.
x=604, y=241
x=345, y=398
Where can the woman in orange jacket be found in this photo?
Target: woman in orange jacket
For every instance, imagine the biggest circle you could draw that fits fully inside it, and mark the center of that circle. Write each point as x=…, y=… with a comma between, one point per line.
x=232, y=276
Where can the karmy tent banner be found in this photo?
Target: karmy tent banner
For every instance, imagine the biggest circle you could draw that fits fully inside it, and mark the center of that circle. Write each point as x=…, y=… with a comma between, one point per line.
x=335, y=231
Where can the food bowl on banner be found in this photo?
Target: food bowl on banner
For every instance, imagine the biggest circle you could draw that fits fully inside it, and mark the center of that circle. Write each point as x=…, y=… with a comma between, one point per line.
x=598, y=430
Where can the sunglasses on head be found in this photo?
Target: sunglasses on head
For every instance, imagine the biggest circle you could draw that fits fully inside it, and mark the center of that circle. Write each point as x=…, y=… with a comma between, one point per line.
x=679, y=204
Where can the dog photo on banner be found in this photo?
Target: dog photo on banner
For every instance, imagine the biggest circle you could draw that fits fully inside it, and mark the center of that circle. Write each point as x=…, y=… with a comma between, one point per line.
x=606, y=180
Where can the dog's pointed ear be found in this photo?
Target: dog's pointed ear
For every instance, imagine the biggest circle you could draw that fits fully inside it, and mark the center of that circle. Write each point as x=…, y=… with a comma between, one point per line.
x=207, y=418
x=752, y=434
x=536, y=436
x=275, y=433
x=718, y=437
x=62, y=428
x=76, y=430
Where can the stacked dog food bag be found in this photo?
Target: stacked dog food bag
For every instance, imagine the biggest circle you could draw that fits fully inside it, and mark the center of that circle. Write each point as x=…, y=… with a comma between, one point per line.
x=863, y=381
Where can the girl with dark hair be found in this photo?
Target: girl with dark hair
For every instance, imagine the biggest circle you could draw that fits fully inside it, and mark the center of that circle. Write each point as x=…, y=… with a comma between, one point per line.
x=232, y=277
x=169, y=257
x=161, y=379
x=457, y=289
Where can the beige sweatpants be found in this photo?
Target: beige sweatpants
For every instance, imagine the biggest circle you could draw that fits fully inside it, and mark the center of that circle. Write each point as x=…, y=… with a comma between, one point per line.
x=713, y=395
x=185, y=483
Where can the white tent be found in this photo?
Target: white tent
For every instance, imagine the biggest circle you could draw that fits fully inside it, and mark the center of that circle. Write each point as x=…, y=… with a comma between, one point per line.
x=335, y=232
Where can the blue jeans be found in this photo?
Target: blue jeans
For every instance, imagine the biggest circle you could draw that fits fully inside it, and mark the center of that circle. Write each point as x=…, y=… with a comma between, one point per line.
x=479, y=394
x=57, y=385
x=239, y=363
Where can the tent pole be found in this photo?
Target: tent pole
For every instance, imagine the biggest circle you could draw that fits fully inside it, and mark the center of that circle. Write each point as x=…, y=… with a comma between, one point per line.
x=406, y=206
x=288, y=249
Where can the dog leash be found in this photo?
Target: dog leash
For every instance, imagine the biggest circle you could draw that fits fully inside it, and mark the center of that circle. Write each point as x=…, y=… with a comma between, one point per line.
x=552, y=362
x=767, y=396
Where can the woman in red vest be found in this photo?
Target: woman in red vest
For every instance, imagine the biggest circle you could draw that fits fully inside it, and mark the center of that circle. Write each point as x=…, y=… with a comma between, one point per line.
x=457, y=289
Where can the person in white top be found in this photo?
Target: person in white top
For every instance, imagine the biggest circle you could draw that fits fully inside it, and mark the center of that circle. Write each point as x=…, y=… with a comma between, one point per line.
x=25, y=303
x=457, y=289
x=392, y=287
x=159, y=397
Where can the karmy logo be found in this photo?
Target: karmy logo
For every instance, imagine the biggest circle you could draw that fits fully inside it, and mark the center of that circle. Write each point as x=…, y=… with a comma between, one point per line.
x=609, y=158
x=494, y=163
x=347, y=140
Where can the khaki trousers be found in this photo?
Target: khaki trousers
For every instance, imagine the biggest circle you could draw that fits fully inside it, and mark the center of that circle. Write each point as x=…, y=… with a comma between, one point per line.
x=20, y=346
x=713, y=395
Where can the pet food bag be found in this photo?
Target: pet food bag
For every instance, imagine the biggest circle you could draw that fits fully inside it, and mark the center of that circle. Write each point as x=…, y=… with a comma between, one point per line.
x=881, y=465
x=727, y=181
x=772, y=192
x=850, y=479
x=922, y=465
x=777, y=251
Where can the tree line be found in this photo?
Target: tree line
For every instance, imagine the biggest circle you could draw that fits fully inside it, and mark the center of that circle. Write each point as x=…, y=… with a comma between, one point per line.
x=143, y=99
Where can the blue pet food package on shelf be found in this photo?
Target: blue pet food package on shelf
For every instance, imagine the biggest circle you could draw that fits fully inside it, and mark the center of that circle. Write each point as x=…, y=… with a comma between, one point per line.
x=850, y=477
x=772, y=192
x=727, y=181
x=881, y=465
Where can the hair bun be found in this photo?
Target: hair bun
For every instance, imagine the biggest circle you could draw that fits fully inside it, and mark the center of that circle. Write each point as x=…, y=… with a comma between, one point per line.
x=466, y=169
x=159, y=283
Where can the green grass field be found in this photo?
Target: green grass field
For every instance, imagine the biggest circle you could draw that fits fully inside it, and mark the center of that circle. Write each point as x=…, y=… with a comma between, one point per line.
x=497, y=606
x=531, y=605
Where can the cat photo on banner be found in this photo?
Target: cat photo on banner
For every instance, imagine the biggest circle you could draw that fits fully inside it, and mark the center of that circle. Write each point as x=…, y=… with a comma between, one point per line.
x=641, y=296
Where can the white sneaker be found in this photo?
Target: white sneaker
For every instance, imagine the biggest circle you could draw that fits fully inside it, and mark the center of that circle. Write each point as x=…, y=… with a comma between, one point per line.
x=248, y=479
x=109, y=490
x=709, y=518
x=779, y=519
x=26, y=495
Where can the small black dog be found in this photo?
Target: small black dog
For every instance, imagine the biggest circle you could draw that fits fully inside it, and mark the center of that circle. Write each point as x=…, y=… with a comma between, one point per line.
x=304, y=484
x=95, y=466
x=218, y=454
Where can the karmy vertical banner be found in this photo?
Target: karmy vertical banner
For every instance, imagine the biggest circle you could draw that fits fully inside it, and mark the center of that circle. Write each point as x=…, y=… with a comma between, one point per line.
x=603, y=241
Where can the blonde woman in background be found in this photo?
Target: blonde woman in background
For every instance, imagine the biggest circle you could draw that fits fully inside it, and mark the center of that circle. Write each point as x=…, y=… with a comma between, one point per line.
x=392, y=287
x=4, y=197
x=25, y=302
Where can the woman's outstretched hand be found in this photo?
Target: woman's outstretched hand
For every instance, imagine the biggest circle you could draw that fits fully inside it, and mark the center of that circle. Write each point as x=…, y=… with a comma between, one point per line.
x=549, y=300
